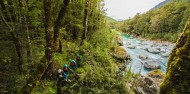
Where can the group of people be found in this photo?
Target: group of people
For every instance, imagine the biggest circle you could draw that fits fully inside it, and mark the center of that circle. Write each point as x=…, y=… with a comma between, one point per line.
x=63, y=73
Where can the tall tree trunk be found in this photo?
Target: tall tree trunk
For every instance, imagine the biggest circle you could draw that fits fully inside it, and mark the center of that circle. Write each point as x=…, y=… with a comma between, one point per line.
x=57, y=46
x=49, y=31
x=74, y=33
x=33, y=80
x=85, y=22
x=22, y=5
x=57, y=25
x=18, y=50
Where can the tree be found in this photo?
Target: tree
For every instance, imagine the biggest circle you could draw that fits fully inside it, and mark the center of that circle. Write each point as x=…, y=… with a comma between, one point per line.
x=85, y=22
x=57, y=26
x=177, y=75
x=32, y=81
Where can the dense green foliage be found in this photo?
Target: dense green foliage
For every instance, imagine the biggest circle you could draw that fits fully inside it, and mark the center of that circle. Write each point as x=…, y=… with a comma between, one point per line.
x=99, y=72
x=39, y=36
x=164, y=23
x=111, y=22
x=177, y=76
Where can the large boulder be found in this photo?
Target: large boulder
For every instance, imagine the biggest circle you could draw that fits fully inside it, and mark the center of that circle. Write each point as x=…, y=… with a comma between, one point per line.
x=151, y=64
x=120, y=53
x=150, y=83
x=153, y=50
x=119, y=41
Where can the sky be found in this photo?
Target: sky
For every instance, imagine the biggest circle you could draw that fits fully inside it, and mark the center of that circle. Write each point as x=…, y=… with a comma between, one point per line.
x=123, y=9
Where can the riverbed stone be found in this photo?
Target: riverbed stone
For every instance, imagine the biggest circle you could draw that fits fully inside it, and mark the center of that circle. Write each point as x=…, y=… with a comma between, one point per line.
x=127, y=43
x=163, y=50
x=151, y=64
x=165, y=54
x=153, y=50
x=150, y=83
x=120, y=53
x=143, y=56
x=131, y=47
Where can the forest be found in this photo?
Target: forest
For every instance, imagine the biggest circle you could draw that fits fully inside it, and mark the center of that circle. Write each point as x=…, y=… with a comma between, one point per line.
x=39, y=37
x=164, y=23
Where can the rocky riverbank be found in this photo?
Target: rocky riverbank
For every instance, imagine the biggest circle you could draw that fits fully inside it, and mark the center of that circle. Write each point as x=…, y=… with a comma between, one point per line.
x=147, y=55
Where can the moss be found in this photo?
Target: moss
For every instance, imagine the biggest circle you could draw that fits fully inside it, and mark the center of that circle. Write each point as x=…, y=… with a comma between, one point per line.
x=119, y=53
x=177, y=76
x=156, y=73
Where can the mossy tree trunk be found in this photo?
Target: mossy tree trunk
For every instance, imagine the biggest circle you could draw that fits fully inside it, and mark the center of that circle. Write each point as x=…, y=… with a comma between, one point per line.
x=36, y=76
x=18, y=50
x=85, y=21
x=57, y=46
x=177, y=76
x=57, y=26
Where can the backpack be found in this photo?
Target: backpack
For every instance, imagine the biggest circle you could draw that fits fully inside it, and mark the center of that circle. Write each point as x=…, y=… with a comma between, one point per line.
x=78, y=58
x=65, y=69
x=72, y=64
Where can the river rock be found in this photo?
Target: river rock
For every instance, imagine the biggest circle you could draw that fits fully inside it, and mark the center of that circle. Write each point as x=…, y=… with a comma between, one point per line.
x=131, y=47
x=143, y=56
x=151, y=64
x=163, y=50
x=153, y=50
x=148, y=81
x=120, y=53
x=119, y=41
x=149, y=84
x=128, y=61
x=165, y=54
x=127, y=43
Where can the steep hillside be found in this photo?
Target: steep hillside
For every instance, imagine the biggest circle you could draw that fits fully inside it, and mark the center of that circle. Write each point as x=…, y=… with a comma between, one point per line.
x=177, y=76
x=164, y=23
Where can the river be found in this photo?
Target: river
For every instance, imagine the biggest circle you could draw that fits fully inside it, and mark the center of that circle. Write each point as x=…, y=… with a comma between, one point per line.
x=152, y=51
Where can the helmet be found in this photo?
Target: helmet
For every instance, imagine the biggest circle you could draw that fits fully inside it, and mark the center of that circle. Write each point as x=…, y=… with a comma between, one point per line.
x=73, y=61
x=65, y=65
x=77, y=54
x=59, y=70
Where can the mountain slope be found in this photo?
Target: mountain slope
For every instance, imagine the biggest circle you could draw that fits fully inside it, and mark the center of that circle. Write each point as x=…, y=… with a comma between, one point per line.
x=161, y=4
x=164, y=23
